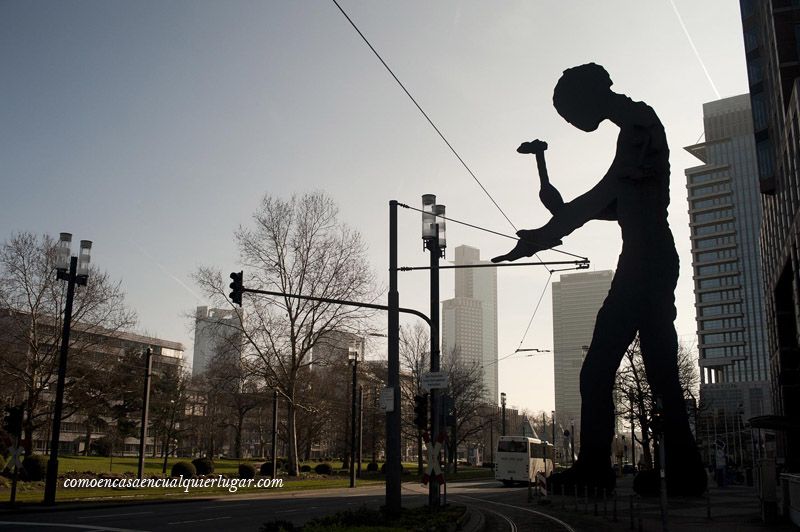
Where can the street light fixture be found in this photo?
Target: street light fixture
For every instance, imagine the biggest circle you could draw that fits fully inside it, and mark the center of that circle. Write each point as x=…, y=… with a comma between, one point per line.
x=503, y=406
x=74, y=270
x=352, y=357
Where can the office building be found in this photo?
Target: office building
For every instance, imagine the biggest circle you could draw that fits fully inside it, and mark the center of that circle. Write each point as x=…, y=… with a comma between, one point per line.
x=725, y=219
x=577, y=297
x=469, y=320
x=215, y=332
x=771, y=43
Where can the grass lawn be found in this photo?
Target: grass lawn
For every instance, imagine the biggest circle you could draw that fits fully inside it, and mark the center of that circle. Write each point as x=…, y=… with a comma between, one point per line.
x=33, y=492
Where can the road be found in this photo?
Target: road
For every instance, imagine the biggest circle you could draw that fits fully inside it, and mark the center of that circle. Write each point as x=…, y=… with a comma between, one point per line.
x=504, y=508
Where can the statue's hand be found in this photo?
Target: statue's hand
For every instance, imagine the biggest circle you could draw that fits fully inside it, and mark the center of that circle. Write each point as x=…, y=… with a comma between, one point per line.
x=534, y=146
x=531, y=241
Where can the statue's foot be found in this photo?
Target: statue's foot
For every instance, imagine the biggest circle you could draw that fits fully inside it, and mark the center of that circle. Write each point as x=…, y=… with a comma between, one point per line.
x=583, y=477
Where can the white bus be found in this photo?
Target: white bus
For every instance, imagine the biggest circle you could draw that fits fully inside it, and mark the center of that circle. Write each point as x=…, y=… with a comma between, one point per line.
x=519, y=458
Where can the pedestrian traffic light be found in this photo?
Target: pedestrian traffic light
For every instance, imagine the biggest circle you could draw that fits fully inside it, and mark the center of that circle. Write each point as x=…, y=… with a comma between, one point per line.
x=237, y=287
x=421, y=411
x=12, y=420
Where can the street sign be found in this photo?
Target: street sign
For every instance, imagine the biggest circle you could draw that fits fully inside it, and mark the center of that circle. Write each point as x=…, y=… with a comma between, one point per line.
x=15, y=456
x=434, y=380
x=387, y=399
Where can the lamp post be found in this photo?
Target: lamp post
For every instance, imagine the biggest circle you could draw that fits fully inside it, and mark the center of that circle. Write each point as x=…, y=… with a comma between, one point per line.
x=503, y=407
x=75, y=271
x=145, y=407
x=352, y=357
x=435, y=241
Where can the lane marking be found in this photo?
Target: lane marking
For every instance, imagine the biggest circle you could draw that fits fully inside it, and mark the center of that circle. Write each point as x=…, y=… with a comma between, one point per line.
x=541, y=514
x=200, y=520
x=225, y=506
x=112, y=515
x=67, y=525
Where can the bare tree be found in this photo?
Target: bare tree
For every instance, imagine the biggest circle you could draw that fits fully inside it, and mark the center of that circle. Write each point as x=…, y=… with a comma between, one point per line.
x=467, y=392
x=31, y=312
x=415, y=348
x=633, y=396
x=297, y=246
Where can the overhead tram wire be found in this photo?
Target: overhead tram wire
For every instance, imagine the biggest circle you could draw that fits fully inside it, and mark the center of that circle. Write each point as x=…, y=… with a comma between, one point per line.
x=419, y=107
x=536, y=308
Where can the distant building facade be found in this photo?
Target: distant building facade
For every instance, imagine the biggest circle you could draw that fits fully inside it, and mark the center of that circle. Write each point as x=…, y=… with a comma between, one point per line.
x=725, y=220
x=577, y=297
x=469, y=320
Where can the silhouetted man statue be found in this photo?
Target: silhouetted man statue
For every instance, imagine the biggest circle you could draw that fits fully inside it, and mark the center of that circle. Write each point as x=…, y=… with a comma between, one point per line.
x=635, y=193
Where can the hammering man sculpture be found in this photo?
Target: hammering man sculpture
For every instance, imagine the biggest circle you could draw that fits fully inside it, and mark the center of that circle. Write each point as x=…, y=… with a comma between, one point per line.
x=635, y=193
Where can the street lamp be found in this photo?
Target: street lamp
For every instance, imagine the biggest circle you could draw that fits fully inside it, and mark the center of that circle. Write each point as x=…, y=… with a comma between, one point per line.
x=352, y=357
x=503, y=406
x=433, y=236
x=74, y=270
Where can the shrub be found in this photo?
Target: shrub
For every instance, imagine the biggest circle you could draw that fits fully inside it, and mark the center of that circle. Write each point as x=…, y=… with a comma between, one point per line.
x=266, y=469
x=101, y=447
x=323, y=469
x=247, y=471
x=35, y=467
x=372, y=467
x=204, y=466
x=383, y=469
x=186, y=469
x=305, y=468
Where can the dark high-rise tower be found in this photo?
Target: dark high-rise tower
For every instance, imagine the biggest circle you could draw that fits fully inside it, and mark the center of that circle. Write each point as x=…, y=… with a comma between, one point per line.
x=772, y=45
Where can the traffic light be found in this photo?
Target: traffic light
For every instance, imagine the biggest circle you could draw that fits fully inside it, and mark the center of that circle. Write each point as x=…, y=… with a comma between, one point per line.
x=237, y=287
x=12, y=420
x=421, y=411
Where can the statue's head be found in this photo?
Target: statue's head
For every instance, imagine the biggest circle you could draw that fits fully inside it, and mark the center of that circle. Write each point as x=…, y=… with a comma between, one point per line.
x=582, y=96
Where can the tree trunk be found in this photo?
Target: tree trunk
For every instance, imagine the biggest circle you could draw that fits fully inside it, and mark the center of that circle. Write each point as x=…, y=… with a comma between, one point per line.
x=291, y=429
x=88, y=438
x=237, y=441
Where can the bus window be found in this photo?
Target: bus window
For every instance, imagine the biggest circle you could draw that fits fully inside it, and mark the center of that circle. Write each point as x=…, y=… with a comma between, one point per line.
x=512, y=446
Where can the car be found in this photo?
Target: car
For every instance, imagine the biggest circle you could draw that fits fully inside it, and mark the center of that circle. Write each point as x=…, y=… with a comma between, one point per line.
x=629, y=469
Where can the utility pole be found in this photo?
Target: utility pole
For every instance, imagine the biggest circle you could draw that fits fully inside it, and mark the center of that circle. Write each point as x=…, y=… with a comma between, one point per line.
x=353, y=355
x=633, y=433
x=360, y=427
x=274, y=433
x=148, y=373
x=393, y=377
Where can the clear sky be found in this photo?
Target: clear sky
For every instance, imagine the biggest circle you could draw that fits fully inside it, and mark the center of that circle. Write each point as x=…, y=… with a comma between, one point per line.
x=153, y=129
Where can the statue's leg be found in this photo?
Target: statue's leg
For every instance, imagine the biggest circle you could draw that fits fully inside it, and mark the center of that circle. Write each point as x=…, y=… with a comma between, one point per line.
x=614, y=330
x=659, y=344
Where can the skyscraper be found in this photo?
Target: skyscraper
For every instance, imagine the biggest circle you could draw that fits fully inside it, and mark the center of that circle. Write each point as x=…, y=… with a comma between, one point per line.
x=725, y=217
x=772, y=48
x=212, y=335
x=469, y=320
x=577, y=297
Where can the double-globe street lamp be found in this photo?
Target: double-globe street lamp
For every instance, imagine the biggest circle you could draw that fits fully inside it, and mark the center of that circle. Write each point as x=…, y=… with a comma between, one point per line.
x=435, y=241
x=352, y=357
x=75, y=271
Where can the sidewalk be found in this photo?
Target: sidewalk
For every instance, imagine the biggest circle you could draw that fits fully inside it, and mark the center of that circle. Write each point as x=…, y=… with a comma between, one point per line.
x=733, y=508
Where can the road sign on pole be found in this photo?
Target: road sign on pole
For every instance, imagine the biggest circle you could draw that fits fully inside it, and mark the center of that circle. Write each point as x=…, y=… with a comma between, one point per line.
x=434, y=380
x=387, y=399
